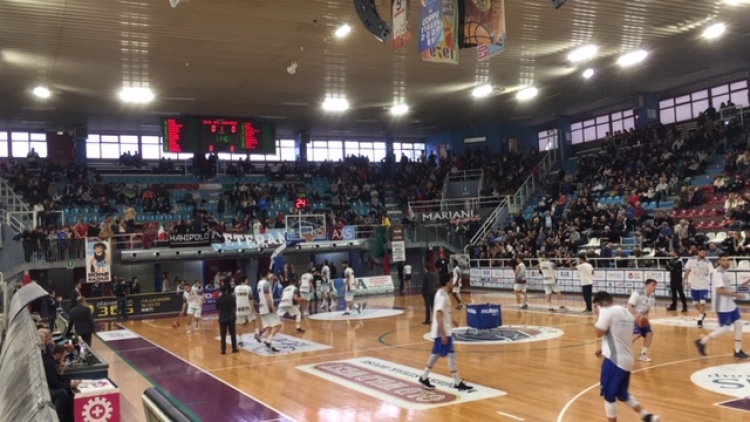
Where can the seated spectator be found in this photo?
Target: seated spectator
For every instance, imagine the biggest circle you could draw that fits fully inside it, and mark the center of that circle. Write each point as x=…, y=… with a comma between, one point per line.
x=61, y=391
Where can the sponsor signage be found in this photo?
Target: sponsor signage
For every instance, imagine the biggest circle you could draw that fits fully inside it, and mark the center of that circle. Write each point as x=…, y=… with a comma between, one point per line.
x=98, y=260
x=234, y=242
x=342, y=233
x=730, y=380
x=447, y=216
x=137, y=305
x=188, y=240
x=507, y=334
x=209, y=301
x=374, y=285
x=396, y=384
x=283, y=343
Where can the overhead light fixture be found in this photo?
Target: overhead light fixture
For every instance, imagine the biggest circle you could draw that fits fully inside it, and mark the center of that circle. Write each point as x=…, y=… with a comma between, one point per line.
x=583, y=53
x=482, y=91
x=399, y=109
x=632, y=58
x=136, y=95
x=714, y=31
x=588, y=73
x=343, y=31
x=335, y=104
x=41, y=92
x=527, y=93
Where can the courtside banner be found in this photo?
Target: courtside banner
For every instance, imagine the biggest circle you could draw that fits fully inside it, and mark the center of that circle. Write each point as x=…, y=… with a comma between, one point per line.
x=374, y=285
x=137, y=305
x=401, y=32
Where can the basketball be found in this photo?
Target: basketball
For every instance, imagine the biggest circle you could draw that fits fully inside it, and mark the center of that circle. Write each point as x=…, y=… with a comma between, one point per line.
x=475, y=33
x=176, y=324
x=643, y=322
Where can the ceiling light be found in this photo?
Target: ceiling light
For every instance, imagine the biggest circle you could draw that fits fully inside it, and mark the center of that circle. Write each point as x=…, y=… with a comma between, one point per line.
x=343, y=31
x=632, y=58
x=399, y=109
x=527, y=93
x=714, y=31
x=137, y=95
x=482, y=91
x=335, y=104
x=588, y=73
x=41, y=92
x=583, y=53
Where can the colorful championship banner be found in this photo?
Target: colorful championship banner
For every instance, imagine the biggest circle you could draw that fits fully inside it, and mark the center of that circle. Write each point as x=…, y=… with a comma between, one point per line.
x=98, y=260
x=401, y=32
x=430, y=23
x=446, y=50
x=484, y=27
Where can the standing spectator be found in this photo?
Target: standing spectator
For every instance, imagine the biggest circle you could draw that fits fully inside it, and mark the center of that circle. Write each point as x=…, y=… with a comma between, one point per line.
x=52, y=304
x=675, y=281
x=121, y=295
x=429, y=288
x=83, y=321
x=586, y=274
x=135, y=287
x=226, y=304
x=97, y=290
x=75, y=295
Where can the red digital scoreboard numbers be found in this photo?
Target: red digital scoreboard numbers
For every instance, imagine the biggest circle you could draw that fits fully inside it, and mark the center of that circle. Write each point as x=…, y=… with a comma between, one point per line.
x=214, y=134
x=172, y=135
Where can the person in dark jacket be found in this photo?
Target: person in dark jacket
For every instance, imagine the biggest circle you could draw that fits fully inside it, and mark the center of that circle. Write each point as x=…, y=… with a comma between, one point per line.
x=52, y=304
x=429, y=288
x=61, y=391
x=226, y=304
x=675, y=281
x=97, y=290
x=82, y=320
x=121, y=291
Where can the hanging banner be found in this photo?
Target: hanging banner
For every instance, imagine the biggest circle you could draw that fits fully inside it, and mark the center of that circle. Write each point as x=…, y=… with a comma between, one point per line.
x=484, y=27
x=446, y=50
x=401, y=32
x=430, y=23
x=98, y=260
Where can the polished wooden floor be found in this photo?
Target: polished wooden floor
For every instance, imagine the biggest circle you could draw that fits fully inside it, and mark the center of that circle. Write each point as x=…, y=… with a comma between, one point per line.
x=552, y=380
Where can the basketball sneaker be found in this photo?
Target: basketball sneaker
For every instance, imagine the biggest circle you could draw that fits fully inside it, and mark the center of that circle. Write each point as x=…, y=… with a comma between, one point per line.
x=271, y=348
x=345, y=313
x=257, y=338
x=700, y=323
x=651, y=418
x=426, y=383
x=644, y=358
x=741, y=355
x=300, y=331
x=701, y=347
x=461, y=386
x=240, y=344
x=524, y=306
x=359, y=309
x=551, y=309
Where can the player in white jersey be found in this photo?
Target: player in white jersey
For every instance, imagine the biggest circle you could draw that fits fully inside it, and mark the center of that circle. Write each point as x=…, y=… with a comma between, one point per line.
x=520, y=286
x=326, y=286
x=698, y=272
x=726, y=309
x=639, y=304
x=267, y=310
x=287, y=305
x=245, y=307
x=407, y=277
x=306, y=291
x=614, y=326
x=192, y=305
x=547, y=270
x=350, y=285
x=456, y=283
x=442, y=335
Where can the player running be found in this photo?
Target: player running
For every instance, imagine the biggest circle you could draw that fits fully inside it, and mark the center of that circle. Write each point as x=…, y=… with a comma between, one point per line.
x=288, y=304
x=192, y=305
x=246, y=308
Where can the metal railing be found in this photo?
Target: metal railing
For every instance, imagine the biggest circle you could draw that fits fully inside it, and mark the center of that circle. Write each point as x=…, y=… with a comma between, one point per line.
x=9, y=219
x=500, y=213
x=15, y=204
x=458, y=204
x=532, y=183
x=463, y=176
x=430, y=236
x=614, y=263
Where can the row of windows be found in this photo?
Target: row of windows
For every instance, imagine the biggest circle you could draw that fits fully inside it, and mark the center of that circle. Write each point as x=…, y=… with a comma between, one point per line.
x=689, y=106
x=21, y=143
x=548, y=140
x=598, y=127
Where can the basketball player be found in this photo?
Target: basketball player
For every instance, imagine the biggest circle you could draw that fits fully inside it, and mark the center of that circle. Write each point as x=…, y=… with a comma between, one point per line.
x=639, y=304
x=350, y=284
x=547, y=269
x=407, y=277
x=442, y=333
x=287, y=305
x=698, y=272
x=326, y=285
x=266, y=309
x=192, y=305
x=586, y=275
x=306, y=291
x=520, y=288
x=245, y=307
x=614, y=326
x=726, y=309
x=456, y=283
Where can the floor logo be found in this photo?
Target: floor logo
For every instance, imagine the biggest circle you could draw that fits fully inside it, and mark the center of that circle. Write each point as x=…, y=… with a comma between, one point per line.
x=396, y=384
x=731, y=380
x=507, y=334
x=117, y=335
x=367, y=313
x=692, y=322
x=284, y=343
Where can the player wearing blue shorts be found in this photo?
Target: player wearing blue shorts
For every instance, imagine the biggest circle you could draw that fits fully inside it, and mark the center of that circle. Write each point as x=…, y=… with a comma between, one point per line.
x=726, y=309
x=614, y=326
x=442, y=328
x=639, y=304
x=698, y=272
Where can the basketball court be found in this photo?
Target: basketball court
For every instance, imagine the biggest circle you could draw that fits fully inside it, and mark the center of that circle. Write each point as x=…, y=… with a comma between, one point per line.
x=539, y=367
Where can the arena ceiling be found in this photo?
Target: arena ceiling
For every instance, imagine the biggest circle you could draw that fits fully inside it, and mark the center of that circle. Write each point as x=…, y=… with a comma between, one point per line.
x=229, y=57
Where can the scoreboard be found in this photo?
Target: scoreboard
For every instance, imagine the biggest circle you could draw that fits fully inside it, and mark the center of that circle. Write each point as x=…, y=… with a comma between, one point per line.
x=218, y=134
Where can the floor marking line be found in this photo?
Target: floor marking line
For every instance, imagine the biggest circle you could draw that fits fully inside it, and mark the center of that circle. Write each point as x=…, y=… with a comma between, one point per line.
x=579, y=395
x=508, y=415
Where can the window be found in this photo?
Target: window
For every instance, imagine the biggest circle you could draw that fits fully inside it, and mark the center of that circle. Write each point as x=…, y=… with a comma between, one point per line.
x=151, y=147
x=412, y=151
x=547, y=140
x=3, y=144
x=576, y=132
x=286, y=149
x=21, y=143
x=688, y=107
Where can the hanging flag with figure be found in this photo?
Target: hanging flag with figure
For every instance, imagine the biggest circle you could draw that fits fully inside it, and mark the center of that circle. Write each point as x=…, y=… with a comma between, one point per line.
x=401, y=32
x=484, y=27
x=446, y=51
x=430, y=23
